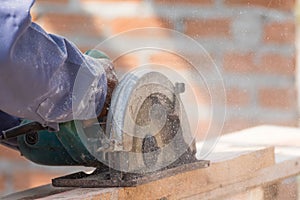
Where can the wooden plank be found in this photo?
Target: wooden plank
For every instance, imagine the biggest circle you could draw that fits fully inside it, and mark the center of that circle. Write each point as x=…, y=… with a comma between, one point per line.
x=251, y=194
x=241, y=165
x=218, y=174
x=88, y=194
x=189, y=183
x=262, y=177
x=38, y=192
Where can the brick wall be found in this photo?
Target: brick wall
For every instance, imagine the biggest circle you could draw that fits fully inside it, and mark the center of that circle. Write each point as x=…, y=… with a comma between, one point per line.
x=251, y=42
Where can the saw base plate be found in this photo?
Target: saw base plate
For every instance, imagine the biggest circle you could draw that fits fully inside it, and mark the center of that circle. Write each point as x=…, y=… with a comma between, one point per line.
x=102, y=178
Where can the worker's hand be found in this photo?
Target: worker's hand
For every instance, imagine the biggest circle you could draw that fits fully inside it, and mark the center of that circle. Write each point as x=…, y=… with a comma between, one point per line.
x=112, y=81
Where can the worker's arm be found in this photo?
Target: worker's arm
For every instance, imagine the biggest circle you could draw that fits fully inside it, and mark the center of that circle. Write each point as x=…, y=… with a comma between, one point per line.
x=38, y=71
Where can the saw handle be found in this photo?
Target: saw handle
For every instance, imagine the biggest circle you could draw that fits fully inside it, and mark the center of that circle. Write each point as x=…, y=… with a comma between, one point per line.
x=22, y=130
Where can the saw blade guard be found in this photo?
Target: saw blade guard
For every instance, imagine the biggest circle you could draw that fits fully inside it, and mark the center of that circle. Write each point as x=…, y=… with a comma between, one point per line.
x=146, y=129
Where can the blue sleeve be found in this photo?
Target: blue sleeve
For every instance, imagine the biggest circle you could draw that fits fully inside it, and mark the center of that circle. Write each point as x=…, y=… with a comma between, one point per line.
x=44, y=77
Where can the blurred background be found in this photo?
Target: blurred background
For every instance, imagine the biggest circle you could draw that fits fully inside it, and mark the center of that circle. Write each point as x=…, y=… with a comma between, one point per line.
x=252, y=42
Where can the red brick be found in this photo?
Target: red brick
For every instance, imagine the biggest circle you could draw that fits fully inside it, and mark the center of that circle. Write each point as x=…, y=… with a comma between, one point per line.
x=121, y=63
x=277, y=98
x=128, y=23
x=237, y=124
x=275, y=4
x=237, y=97
x=126, y=62
x=280, y=33
x=237, y=62
x=187, y=2
x=169, y=60
x=277, y=64
x=202, y=95
x=208, y=28
x=183, y=62
x=71, y=24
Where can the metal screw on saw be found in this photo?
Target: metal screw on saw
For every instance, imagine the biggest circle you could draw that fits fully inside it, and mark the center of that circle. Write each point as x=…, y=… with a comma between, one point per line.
x=32, y=138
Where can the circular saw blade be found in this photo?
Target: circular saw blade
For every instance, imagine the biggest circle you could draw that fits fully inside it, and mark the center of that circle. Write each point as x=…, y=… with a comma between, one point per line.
x=147, y=128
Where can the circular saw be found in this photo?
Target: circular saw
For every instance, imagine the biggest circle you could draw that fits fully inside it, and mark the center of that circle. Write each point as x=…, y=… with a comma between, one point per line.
x=146, y=131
